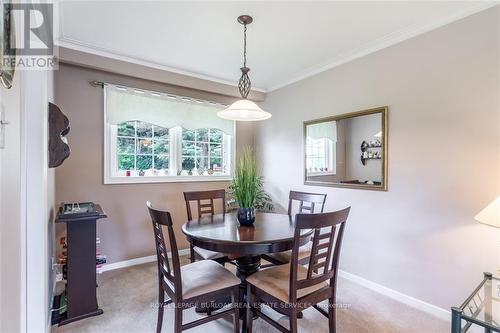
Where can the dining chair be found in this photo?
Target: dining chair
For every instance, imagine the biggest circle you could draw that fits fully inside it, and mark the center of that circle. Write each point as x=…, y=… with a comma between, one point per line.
x=307, y=203
x=292, y=288
x=200, y=282
x=205, y=208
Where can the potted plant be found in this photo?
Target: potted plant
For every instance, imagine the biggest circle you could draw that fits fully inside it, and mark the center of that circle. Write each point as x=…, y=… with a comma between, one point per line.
x=247, y=189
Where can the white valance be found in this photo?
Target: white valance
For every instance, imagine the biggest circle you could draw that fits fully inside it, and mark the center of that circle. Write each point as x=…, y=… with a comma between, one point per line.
x=125, y=104
x=326, y=130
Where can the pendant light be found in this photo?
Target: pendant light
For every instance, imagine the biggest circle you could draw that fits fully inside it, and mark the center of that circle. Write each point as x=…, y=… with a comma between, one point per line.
x=244, y=109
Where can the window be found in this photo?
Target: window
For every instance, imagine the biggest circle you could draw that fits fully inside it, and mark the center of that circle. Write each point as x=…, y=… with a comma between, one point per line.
x=150, y=137
x=142, y=146
x=320, y=156
x=202, y=150
x=321, y=141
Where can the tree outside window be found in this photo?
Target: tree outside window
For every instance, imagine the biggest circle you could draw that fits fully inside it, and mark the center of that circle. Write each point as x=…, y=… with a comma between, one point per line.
x=202, y=149
x=142, y=146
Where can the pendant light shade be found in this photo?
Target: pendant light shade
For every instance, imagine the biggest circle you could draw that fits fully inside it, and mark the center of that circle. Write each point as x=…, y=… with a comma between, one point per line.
x=244, y=109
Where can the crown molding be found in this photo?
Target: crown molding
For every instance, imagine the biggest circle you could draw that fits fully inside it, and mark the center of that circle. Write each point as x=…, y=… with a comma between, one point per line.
x=384, y=42
x=77, y=45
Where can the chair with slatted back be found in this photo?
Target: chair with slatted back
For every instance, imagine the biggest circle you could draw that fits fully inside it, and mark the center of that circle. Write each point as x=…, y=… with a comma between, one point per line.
x=205, y=206
x=308, y=203
x=293, y=287
x=200, y=282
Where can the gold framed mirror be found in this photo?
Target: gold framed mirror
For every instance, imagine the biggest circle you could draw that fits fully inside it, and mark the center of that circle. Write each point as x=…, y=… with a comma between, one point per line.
x=348, y=150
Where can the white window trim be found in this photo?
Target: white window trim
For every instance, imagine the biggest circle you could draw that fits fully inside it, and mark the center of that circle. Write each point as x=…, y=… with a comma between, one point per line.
x=110, y=161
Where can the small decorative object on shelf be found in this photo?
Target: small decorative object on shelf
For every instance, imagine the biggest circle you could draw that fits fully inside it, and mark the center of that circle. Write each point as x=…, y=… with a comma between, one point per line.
x=371, y=144
x=367, y=153
x=479, y=308
x=141, y=173
x=77, y=209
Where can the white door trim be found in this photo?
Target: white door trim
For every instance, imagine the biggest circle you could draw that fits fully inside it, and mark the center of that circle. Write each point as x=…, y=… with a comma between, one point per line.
x=34, y=166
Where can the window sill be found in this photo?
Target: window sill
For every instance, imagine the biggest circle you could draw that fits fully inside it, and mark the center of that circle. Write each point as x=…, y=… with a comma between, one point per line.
x=321, y=173
x=164, y=179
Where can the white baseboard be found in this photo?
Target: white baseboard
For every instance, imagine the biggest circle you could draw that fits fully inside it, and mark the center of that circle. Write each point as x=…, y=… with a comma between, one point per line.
x=400, y=297
x=135, y=261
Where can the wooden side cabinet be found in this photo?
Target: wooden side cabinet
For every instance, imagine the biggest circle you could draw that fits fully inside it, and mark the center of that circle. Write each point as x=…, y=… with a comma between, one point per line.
x=81, y=263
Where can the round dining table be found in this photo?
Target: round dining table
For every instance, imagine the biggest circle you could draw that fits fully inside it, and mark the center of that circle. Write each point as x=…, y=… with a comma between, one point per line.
x=222, y=233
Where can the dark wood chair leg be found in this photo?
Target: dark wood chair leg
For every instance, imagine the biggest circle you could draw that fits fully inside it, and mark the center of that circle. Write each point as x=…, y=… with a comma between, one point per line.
x=235, y=298
x=178, y=318
x=161, y=301
x=249, y=305
x=332, y=316
x=293, y=321
x=191, y=253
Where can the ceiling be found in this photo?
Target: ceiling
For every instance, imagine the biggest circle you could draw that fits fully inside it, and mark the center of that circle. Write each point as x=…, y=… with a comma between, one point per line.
x=287, y=41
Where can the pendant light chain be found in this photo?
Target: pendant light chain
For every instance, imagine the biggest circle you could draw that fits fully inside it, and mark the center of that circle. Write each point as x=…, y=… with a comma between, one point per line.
x=245, y=46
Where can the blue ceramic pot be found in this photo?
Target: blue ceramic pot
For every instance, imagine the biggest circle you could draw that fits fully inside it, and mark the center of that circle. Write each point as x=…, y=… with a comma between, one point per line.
x=246, y=216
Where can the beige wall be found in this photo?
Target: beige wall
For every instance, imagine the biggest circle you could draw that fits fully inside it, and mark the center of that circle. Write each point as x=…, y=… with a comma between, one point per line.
x=442, y=89
x=126, y=233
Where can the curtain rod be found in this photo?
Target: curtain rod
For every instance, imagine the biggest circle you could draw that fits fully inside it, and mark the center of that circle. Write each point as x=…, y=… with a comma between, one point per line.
x=101, y=84
x=96, y=83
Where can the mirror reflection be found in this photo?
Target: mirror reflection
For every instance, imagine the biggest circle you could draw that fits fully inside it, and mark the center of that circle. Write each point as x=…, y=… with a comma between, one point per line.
x=347, y=150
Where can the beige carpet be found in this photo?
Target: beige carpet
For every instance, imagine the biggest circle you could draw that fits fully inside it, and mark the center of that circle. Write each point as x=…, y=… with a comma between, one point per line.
x=128, y=298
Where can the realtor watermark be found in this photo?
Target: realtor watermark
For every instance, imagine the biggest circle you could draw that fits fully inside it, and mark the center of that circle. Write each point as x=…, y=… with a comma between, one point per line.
x=30, y=44
x=219, y=305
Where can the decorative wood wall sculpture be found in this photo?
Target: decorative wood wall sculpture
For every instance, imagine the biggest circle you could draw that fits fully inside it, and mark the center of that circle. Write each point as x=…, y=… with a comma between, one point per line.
x=58, y=129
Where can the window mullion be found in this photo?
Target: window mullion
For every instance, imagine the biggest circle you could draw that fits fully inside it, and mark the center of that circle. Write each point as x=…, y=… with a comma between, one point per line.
x=135, y=145
x=227, y=150
x=175, y=158
x=172, y=158
x=209, y=153
x=152, y=148
x=196, y=149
